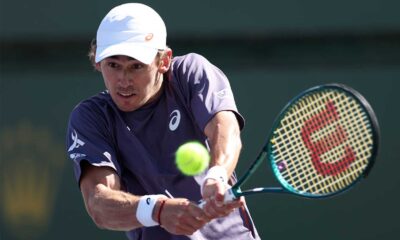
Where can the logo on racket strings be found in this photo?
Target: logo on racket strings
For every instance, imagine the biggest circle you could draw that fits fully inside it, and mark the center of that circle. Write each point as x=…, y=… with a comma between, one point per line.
x=327, y=143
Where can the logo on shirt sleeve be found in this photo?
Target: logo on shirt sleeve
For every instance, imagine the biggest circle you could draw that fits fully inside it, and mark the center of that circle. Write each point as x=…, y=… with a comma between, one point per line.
x=222, y=93
x=76, y=141
x=175, y=120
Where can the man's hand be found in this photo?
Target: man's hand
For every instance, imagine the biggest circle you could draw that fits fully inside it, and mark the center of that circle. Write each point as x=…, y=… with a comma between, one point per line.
x=182, y=217
x=213, y=194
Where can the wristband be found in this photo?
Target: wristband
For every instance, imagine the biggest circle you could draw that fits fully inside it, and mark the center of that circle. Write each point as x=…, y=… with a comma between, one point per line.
x=144, y=211
x=218, y=173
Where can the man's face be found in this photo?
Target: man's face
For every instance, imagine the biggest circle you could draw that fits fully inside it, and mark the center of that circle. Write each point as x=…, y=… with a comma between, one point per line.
x=131, y=83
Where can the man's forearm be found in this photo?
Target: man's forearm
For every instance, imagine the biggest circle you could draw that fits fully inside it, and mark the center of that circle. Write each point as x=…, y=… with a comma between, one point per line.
x=224, y=137
x=112, y=209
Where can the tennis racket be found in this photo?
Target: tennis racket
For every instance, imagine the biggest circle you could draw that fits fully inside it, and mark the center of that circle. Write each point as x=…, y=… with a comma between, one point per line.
x=324, y=141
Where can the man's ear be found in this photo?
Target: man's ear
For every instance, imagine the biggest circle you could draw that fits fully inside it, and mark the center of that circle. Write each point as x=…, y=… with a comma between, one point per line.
x=165, y=61
x=97, y=66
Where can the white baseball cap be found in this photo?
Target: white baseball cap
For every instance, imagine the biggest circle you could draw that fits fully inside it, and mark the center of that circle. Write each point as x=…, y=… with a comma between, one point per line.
x=133, y=30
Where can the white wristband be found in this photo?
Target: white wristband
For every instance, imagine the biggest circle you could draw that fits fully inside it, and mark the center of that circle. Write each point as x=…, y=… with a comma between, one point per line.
x=218, y=173
x=144, y=211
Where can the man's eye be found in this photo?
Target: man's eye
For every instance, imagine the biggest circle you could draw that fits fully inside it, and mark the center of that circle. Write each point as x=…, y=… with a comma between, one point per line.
x=112, y=65
x=137, y=66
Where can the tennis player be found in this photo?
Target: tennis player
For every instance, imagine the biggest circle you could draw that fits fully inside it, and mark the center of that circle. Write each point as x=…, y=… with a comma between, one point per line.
x=122, y=141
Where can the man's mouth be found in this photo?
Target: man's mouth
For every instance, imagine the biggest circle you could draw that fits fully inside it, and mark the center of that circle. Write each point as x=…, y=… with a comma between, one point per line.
x=126, y=94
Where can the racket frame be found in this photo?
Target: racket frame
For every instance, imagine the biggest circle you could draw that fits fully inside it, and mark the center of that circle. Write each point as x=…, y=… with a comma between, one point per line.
x=236, y=192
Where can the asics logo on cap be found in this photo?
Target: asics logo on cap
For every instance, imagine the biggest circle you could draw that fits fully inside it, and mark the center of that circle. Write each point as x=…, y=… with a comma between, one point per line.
x=149, y=37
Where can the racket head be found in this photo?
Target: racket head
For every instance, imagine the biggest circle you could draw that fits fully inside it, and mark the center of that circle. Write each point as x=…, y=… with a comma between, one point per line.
x=324, y=141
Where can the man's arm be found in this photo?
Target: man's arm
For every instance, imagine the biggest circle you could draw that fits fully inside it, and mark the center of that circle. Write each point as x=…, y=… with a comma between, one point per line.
x=223, y=134
x=109, y=207
x=113, y=209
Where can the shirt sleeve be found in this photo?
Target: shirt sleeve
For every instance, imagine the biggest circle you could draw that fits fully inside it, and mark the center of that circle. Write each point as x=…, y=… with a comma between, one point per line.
x=207, y=89
x=89, y=138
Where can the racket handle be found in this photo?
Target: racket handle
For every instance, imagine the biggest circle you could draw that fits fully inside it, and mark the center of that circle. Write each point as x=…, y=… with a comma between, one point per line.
x=228, y=197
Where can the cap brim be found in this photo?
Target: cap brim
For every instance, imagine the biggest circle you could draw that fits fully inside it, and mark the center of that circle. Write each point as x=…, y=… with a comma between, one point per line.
x=143, y=54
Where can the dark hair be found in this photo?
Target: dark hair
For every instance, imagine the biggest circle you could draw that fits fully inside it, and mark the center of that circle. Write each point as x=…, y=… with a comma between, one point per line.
x=92, y=52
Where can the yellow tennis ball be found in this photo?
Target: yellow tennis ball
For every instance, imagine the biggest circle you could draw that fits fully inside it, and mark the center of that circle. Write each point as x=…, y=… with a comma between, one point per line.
x=192, y=158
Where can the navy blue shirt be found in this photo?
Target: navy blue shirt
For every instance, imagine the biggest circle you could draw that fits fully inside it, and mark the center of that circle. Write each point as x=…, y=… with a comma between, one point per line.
x=140, y=145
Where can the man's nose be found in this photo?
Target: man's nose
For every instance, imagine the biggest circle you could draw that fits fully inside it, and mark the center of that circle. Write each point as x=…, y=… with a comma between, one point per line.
x=125, y=78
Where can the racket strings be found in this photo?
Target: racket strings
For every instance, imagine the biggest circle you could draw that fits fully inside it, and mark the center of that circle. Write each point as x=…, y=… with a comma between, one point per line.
x=345, y=179
x=323, y=172
x=302, y=173
x=336, y=157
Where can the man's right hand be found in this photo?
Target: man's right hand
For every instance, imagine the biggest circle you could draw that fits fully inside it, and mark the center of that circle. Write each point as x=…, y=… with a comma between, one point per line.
x=180, y=216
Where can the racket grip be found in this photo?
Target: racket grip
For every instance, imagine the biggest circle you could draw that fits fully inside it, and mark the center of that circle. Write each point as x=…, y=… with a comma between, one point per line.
x=228, y=197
